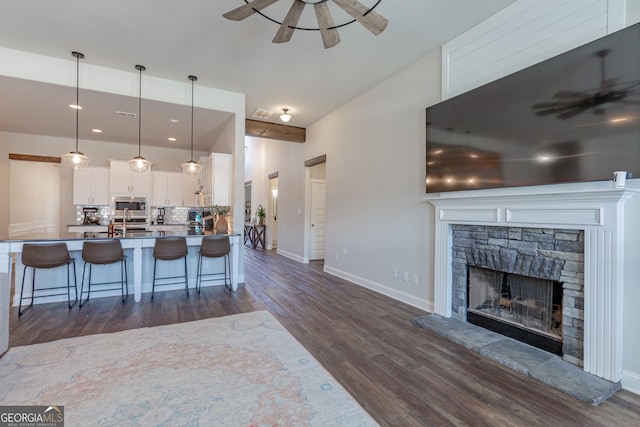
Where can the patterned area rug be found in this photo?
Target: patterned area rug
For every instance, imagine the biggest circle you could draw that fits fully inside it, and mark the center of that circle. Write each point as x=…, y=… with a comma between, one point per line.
x=240, y=370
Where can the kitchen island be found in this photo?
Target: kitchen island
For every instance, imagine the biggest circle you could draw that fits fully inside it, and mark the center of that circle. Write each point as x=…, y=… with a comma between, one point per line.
x=138, y=248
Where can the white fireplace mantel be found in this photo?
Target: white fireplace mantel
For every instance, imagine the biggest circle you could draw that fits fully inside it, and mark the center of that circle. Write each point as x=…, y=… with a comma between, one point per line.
x=599, y=211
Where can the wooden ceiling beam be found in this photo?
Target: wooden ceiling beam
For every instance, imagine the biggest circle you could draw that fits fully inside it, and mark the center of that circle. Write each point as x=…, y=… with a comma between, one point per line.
x=274, y=131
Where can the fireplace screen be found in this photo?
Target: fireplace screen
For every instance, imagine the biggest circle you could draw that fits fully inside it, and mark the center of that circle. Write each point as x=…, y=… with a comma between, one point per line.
x=527, y=302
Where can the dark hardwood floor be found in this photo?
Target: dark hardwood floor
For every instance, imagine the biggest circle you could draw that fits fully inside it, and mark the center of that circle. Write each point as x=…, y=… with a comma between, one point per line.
x=401, y=374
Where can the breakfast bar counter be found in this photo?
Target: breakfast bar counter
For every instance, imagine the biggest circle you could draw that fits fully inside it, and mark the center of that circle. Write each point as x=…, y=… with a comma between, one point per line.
x=138, y=248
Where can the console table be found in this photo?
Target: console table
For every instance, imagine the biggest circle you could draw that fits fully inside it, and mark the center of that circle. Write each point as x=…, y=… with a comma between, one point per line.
x=255, y=235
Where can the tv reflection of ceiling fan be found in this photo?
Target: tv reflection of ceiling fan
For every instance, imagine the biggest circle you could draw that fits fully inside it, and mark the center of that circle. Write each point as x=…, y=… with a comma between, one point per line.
x=571, y=103
x=371, y=20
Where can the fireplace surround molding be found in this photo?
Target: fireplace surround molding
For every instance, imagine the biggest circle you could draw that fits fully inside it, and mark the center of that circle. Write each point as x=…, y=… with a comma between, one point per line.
x=596, y=209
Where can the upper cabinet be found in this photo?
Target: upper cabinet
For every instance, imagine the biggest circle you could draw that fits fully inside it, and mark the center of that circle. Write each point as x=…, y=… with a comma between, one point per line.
x=125, y=182
x=166, y=189
x=190, y=185
x=216, y=179
x=91, y=186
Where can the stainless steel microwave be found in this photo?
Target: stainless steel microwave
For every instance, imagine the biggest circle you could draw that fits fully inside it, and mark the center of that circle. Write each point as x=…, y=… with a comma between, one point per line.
x=135, y=205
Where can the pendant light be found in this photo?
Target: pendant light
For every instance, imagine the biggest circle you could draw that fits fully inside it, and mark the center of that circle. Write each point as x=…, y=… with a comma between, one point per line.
x=76, y=159
x=191, y=167
x=139, y=164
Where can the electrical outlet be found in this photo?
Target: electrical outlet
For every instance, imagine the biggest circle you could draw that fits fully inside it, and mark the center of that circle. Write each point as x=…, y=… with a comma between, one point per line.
x=405, y=276
x=415, y=279
x=394, y=273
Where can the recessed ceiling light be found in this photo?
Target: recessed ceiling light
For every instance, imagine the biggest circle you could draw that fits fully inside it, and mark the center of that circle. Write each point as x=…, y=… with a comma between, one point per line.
x=172, y=139
x=96, y=130
x=75, y=107
x=174, y=120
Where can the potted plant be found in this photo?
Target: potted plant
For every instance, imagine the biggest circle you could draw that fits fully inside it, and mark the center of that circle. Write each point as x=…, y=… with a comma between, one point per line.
x=222, y=226
x=260, y=213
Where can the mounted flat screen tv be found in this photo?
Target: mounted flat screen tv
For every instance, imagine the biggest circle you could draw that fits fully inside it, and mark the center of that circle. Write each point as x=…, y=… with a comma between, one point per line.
x=572, y=118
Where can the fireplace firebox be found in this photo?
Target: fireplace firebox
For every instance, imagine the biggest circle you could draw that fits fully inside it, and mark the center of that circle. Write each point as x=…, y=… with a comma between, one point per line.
x=528, y=309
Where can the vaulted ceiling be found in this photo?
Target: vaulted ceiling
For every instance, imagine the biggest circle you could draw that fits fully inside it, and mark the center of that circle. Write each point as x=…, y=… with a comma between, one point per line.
x=174, y=39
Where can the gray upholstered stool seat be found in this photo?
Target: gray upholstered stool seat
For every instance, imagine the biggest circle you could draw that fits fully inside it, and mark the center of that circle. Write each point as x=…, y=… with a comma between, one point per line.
x=170, y=249
x=104, y=252
x=49, y=255
x=214, y=247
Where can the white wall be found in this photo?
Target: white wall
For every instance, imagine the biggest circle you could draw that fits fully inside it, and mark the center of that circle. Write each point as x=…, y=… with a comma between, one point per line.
x=376, y=216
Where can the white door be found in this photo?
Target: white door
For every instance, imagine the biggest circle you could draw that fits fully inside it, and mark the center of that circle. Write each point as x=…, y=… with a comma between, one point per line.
x=316, y=235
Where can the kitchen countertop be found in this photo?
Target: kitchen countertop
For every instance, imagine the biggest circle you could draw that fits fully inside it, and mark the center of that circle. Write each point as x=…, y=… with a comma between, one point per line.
x=66, y=235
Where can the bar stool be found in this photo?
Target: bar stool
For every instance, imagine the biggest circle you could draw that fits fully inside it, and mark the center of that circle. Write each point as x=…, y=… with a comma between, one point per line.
x=48, y=255
x=170, y=249
x=214, y=247
x=103, y=253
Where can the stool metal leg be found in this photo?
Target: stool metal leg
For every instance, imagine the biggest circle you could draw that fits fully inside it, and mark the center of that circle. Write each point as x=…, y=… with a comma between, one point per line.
x=153, y=285
x=33, y=282
x=186, y=282
x=198, y=273
x=75, y=284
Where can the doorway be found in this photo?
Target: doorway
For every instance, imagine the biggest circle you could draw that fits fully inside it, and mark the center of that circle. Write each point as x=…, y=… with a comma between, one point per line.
x=316, y=207
x=273, y=208
x=34, y=197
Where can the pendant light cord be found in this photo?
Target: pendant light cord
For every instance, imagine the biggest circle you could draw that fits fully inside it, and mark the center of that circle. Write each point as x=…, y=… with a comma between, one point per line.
x=191, y=119
x=193, y=79
x=78, y=55
x=140, y=68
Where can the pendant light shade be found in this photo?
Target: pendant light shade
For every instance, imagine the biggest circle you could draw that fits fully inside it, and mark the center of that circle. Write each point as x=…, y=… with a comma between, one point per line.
x=191, y=167
x=76, y=159
x=139, y=164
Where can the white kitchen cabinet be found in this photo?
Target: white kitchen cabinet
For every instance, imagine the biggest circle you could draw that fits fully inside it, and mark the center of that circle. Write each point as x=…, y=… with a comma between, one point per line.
x=166, y=189
x=125, y=182
x=190, y=184
x=91, y=186
x=216, y=179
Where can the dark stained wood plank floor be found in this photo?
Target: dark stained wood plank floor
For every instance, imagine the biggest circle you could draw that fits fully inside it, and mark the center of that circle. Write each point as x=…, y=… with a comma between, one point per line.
x=401, y=374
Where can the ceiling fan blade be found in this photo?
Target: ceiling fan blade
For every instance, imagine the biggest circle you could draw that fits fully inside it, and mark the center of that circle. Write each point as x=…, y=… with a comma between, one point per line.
x=372, y=21
x=571, y=94
x=290, y=21
x=608, y=85
x=330, y=36
x=248, y=9
x=572, y=113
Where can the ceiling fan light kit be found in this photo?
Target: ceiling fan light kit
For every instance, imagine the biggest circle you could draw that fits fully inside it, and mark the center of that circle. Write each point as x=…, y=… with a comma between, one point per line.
x=75, y=159
x=366, y=16
x=139, y=164
x=191, y=167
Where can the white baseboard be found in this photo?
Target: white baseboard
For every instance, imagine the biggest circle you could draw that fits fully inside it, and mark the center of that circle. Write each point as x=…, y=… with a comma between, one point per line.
x=631, y=381
x=292, y=256
x=396, y=294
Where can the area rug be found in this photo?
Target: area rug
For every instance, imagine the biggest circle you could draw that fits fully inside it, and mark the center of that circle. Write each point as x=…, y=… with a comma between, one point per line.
x=239, y=370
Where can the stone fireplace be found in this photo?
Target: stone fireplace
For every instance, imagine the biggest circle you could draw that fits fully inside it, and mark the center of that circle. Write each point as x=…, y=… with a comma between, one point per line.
x=526, y=283
x=572, y=234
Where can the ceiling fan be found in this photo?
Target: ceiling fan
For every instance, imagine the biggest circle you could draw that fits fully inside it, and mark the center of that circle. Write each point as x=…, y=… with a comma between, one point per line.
x=572, y=103
x=371, y=20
